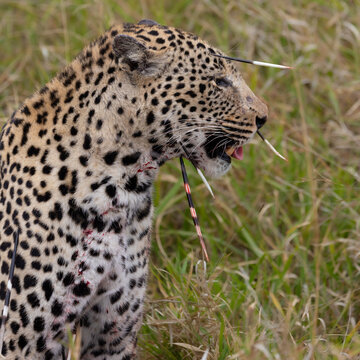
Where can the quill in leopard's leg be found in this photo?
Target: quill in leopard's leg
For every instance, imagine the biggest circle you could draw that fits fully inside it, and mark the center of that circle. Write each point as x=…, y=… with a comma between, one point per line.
x=8, y=292
x=192, y=208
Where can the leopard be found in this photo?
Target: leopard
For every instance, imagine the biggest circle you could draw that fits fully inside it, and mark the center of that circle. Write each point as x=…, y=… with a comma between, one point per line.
x=78, y=161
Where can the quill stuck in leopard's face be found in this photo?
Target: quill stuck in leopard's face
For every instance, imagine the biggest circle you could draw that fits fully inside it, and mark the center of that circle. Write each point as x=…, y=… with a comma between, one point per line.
x=236, y=152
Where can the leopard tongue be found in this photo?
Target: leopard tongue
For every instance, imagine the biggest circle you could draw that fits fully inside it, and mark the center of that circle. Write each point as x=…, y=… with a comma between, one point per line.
x=238, y=153
x=235, y=152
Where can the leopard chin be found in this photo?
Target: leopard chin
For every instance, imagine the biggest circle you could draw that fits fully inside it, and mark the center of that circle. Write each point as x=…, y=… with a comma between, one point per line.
x=216, y=168
x=214, y=157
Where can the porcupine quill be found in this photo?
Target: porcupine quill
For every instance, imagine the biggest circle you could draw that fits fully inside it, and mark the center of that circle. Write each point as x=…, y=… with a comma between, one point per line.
x=198, y=170
x=8, y=292
x=254, y=62
x=183, y=169
x=270, y=146
x=192, y=208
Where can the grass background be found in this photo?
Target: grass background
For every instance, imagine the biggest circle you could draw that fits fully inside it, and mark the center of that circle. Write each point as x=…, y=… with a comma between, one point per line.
x=283, y=281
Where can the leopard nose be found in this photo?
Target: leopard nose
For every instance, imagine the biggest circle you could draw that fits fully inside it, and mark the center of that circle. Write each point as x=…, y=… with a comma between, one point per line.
x=260, y=121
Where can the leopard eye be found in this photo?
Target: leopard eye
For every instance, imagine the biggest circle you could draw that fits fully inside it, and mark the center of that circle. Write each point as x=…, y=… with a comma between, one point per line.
x=223, y=82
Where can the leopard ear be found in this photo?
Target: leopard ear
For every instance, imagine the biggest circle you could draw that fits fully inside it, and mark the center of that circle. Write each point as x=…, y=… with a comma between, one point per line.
x=137, y=56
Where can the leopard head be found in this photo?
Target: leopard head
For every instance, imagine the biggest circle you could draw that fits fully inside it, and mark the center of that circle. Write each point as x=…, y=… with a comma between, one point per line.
x=198, y=105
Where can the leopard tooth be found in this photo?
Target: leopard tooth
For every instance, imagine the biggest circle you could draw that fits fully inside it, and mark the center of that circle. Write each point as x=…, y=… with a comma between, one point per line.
x=205, y=182
x=229, y=151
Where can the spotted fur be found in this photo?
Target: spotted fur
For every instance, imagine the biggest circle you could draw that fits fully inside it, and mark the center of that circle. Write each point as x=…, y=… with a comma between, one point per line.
x=77, y=166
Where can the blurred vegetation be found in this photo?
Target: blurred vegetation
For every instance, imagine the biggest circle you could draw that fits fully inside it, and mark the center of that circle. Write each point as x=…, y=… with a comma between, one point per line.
x=283, y=281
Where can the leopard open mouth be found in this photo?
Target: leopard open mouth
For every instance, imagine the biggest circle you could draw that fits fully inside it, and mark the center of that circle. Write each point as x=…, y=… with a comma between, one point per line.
x=235, y=151
x=223, y=148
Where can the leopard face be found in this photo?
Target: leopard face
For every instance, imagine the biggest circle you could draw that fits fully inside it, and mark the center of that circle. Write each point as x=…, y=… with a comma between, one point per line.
x=201, y=102
x=77, y=166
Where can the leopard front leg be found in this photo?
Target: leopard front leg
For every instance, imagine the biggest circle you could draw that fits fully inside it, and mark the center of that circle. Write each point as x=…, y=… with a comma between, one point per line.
x=109, y=328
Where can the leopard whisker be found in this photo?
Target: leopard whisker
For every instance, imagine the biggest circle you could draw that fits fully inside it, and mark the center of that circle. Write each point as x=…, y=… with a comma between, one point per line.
x=192, y=129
